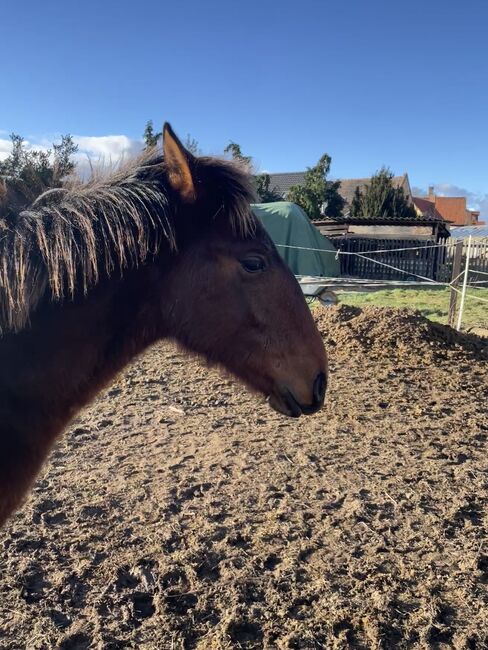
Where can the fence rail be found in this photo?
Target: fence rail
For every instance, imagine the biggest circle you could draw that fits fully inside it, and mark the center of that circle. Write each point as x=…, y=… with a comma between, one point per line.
x=478, y=260
x=418, y=258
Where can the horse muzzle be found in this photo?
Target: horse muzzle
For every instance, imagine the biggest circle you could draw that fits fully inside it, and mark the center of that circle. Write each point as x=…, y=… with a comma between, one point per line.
x=285, y=402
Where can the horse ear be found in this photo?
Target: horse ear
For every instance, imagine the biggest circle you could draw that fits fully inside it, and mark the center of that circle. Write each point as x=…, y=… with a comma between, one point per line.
x=178, y=163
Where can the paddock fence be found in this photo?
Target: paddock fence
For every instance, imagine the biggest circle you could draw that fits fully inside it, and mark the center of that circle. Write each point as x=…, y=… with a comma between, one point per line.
x=458, y=265
x=395, y=259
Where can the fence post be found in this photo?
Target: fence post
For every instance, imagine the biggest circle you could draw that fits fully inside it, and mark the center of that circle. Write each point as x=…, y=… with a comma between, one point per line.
x=456, y=270
x=465, y=282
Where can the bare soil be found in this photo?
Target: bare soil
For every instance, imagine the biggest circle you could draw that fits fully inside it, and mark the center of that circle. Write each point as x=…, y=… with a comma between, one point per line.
x=179, y=511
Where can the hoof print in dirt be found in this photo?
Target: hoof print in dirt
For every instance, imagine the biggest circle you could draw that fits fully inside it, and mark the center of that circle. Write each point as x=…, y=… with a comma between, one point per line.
x=142, y=605
x=79, y=641
x=245, y=634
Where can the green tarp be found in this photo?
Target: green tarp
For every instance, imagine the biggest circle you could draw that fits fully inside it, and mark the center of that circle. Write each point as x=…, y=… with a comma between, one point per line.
x=288, y=224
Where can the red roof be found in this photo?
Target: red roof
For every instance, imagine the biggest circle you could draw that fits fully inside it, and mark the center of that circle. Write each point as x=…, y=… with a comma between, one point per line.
x=427, y=207
x=452, y=208
x=449, y=208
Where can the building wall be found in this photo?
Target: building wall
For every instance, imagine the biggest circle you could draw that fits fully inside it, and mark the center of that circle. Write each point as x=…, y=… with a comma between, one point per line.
x=397, y=232
x=453, y=209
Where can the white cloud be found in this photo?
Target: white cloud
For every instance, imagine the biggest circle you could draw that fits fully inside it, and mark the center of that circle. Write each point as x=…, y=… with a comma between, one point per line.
x=482, y=205
x=418, y=191
x=109, y=147
x=103, y=151
x=93, y=151
x=6, y=145
x=5, y=148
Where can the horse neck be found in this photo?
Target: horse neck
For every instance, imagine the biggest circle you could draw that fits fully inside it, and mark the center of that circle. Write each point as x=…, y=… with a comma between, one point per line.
x=54, y=367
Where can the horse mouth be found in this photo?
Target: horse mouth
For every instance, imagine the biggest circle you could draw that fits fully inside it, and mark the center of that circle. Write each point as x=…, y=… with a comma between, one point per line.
x=284, y=401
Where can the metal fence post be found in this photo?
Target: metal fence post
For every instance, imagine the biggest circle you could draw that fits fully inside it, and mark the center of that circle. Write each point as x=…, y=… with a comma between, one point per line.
x=465, y=283
x=456, y=272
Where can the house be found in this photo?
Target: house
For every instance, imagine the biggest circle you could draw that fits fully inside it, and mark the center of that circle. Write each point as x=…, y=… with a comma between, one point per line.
x=283, y=181
x=348, y=187
x=451, y=208
x=428, y=225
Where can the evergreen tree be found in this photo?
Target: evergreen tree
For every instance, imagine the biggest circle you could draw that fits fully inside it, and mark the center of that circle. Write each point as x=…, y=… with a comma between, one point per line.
x=151, y=139
x=235, y=151
x=381, y=198
x=25, y=173
x=317, y=196
x=192, y=145
x=150, y=136
x=264, y=192
x=355, y=208
x=262, y=181
x=63, y=164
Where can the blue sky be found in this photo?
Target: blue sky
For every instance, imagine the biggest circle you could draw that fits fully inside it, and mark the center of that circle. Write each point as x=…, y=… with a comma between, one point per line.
x=370, y=83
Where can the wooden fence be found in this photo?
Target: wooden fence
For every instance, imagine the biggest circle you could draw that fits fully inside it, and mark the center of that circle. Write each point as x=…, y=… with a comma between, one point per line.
x=478, y=260
x=421, y=258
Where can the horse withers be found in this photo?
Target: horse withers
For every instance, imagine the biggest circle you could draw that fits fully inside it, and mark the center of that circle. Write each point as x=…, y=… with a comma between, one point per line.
x=93, y=273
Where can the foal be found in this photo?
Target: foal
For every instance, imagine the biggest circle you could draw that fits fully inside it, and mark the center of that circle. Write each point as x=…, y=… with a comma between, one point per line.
x=91, y=275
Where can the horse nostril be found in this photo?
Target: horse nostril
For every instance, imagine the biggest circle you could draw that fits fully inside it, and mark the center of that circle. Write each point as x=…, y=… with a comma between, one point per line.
x=319, y=387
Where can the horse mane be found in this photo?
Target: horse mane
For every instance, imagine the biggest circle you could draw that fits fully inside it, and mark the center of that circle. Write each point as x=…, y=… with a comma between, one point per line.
x=64, y=240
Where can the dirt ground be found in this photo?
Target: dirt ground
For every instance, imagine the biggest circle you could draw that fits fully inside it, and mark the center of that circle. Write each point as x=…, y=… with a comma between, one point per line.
x=179, y=511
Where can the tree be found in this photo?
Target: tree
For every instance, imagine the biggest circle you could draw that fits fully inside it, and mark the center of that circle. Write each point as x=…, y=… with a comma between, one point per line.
x=262, y=182
x=63, y=164
x=381, y=198
x=317, y=196
x=265, y=193
x=150, y=136
x=235, y=151
x=355, y=208
x=28, y=173
x=192, y=145
x=151, y=139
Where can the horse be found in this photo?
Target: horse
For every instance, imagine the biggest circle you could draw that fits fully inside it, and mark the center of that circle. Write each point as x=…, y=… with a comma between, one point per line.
x=94, y=272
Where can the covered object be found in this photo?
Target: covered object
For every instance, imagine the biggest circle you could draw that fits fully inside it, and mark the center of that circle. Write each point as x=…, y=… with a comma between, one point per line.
x=288, y=226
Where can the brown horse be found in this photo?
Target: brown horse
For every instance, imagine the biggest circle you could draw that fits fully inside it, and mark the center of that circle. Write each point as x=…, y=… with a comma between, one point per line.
x=92, y=274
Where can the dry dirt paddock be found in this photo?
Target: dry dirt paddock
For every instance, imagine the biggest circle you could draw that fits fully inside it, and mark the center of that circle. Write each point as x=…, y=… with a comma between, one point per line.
x=179, y=511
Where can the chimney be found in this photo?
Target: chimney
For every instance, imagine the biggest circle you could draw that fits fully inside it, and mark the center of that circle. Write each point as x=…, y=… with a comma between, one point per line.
x=431, y=194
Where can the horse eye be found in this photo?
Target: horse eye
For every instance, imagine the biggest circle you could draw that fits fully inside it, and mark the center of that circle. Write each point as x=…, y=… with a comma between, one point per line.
x=253, y=264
